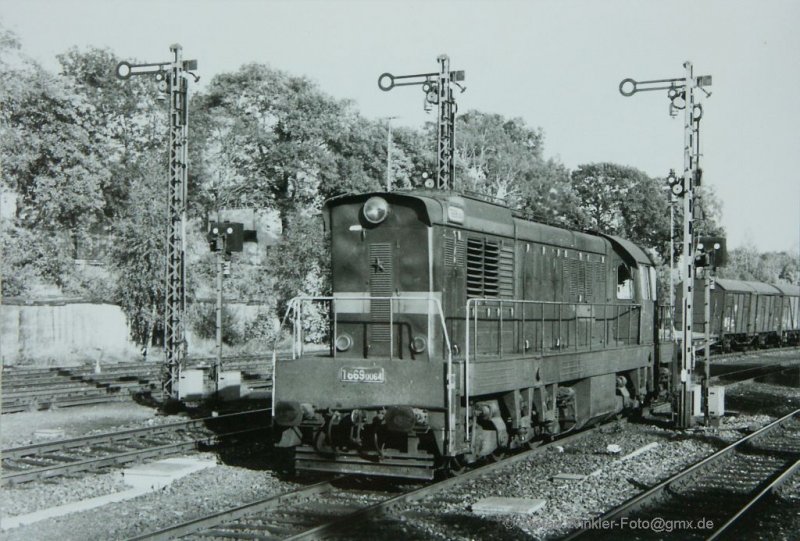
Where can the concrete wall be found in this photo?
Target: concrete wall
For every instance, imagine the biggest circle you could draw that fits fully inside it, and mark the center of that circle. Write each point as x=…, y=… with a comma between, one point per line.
x=59, y=334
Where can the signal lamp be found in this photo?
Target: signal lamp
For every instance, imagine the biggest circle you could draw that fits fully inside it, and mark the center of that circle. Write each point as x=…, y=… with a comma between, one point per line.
x=375, y=210
x=675, y=184
x=711, y=252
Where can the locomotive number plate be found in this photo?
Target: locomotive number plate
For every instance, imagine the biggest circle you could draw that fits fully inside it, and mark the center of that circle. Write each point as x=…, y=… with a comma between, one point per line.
x=373, y=374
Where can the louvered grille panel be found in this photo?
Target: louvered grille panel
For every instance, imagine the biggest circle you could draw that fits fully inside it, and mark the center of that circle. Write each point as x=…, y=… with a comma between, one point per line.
x=453, y=252
x=600, y=281
x=381, y=279
x=490, y=269
x=582, y=278
x=589, y=277
x=506, y=282
x=572, y=265
x=475, y=267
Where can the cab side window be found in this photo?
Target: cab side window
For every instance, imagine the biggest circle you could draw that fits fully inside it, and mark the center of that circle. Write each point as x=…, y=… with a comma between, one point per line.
x=624, y=282
x=645, y=283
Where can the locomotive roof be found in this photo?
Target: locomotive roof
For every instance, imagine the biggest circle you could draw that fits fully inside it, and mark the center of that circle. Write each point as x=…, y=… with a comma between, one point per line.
x=627, y=247
x=484, y=215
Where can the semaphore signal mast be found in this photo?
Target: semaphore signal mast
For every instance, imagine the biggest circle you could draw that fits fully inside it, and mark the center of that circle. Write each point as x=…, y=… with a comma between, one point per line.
x=438, y=88
x=682, y=95
x=172, y=79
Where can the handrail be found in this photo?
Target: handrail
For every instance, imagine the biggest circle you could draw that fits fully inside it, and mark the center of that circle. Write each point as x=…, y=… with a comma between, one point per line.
x=295, y=307
x=472, y=308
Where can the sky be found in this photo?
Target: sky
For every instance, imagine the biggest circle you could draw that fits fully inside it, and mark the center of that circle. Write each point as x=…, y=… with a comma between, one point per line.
x=555, y=64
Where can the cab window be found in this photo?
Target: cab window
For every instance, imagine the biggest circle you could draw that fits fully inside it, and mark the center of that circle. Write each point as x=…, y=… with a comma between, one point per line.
x=644, y=284
x=624, y=282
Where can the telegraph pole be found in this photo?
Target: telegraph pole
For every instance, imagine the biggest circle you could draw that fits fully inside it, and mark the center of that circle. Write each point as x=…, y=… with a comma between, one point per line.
x=681, y=93
x=438, y=88
x=172, y=79
x=389, y=153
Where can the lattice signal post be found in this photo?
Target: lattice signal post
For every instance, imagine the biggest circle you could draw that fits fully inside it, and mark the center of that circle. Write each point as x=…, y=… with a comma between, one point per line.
x=438, y=88
x=172, y=79
x=682, y=95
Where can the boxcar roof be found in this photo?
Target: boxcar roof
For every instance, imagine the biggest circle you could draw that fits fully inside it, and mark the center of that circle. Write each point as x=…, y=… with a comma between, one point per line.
x=747, y=286
x=790, y=290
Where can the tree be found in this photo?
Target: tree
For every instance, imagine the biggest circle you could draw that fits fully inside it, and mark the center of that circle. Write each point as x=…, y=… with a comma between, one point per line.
x=621, y=200
x=747, y=263
x=300, y=265
x=127, y=114
x=496, y=156
x=53, y=161
x=52, y=158
x=280, y=142
x=138, y=254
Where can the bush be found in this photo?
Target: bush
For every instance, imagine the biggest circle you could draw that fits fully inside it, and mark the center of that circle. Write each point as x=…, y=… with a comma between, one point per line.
x=204, y=323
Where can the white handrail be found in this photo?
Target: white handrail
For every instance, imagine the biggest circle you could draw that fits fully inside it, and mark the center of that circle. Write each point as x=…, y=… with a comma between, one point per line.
x=472, y=306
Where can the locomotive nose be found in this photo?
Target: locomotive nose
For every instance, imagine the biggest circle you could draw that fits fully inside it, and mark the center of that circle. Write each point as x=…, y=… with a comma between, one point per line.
x=287, y=413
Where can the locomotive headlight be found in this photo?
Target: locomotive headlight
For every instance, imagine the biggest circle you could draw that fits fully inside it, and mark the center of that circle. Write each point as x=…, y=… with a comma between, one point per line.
x=344, y=342
x=375, y=210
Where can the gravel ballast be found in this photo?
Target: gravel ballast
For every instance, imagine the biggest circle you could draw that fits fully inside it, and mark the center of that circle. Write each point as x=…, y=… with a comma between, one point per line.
x=242, y=479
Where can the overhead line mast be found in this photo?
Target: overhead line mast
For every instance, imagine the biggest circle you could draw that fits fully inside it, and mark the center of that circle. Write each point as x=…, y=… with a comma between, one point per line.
x=172, y=79
x=438, y=91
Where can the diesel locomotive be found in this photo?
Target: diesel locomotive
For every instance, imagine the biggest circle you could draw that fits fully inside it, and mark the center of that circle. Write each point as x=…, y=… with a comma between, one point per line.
x=461, y=330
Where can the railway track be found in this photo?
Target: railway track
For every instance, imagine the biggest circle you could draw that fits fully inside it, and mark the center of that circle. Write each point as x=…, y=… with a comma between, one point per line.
x=714, y=497
x=335, y=506
x=31, y=389
x=64, y=457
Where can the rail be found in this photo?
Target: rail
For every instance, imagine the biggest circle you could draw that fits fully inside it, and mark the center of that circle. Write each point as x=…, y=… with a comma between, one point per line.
x=295, y=312
x=544, y=326
x=701, y=469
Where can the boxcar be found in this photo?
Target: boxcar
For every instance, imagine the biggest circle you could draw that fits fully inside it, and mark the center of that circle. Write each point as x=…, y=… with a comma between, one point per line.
x=746, y=313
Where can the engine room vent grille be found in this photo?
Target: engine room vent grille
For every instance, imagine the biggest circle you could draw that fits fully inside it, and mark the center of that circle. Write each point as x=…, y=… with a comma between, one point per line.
x=506, y=271
x=381, y=278
x=484, y=268
x=453, y=252
x=587, y=275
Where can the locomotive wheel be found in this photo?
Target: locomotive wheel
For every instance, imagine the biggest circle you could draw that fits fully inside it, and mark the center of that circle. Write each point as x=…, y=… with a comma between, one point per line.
x=497, y=455
x=533, y=444
x=455, y=466
x=321, y=444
